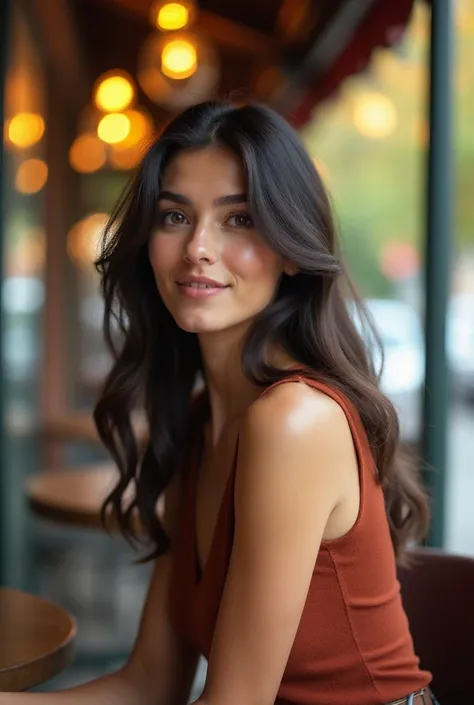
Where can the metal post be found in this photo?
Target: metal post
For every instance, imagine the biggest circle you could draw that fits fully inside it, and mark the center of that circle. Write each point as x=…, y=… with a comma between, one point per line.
x=4, y=45
x=438, y=260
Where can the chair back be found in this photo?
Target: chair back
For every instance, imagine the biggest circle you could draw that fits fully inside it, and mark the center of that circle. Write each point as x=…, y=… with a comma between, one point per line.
x=438, y=596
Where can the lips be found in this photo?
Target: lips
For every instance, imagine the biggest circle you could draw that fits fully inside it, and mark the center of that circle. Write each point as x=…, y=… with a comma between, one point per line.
x=201, y=283
x=200, y=287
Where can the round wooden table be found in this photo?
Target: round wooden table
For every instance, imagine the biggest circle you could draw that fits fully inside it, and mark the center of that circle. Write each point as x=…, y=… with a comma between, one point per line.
x=36, y=640
x=80, y=426
x=72, y=496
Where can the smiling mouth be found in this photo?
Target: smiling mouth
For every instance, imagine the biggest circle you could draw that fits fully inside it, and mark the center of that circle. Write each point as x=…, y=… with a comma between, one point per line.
x=200, y=285
x=200, y=290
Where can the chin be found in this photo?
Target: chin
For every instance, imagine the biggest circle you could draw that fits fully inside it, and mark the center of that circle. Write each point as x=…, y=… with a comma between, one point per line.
x=199, y=324
x=207, y=324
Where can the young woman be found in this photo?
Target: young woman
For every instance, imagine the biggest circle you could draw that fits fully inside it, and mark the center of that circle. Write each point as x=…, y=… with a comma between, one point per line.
x=285, y=503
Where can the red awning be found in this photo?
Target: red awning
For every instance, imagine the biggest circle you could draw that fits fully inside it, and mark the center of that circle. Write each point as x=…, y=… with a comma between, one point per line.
x=383, y=25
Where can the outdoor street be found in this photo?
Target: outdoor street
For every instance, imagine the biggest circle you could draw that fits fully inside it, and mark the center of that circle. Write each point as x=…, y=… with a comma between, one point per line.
x=460, y=483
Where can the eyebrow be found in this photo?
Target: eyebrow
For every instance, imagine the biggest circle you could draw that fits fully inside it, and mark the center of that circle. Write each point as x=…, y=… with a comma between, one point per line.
x=232, y=199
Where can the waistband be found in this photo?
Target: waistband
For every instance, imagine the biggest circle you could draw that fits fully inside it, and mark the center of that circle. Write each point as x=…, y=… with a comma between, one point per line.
x=421, y=697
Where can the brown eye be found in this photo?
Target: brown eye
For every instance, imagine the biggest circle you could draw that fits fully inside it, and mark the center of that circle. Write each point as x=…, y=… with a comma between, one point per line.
x=240, y=220
x=170, y=218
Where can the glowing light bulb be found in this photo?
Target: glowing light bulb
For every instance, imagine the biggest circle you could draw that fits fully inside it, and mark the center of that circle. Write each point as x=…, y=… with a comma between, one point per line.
x=25, y=129
x=114, y=92
x=114, y=128
x=172, y=15
x=179, y=59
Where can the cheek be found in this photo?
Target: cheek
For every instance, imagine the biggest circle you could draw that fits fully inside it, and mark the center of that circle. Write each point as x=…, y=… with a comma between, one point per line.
x=163, y=254
x=250, y=260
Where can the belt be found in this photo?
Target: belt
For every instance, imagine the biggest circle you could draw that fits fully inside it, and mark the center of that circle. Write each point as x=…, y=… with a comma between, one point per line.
x=421, y=697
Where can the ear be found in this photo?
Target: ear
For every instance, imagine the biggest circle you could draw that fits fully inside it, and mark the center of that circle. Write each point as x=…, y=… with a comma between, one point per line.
x=290, y=268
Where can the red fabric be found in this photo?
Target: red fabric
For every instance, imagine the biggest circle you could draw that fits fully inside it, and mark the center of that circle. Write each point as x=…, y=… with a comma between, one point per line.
x=353, y=644
x=382, y=26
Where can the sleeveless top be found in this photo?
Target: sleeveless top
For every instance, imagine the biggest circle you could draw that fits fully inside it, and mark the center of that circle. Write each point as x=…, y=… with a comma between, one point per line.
x=353, y=644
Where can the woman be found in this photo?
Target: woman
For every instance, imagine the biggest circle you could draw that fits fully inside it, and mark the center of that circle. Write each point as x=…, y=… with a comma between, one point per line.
x=285, y=504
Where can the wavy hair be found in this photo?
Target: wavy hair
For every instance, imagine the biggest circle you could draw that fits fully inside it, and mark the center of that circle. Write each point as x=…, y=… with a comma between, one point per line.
x=156, y=364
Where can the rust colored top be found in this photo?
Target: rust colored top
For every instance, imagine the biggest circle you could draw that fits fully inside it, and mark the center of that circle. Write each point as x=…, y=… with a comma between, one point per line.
x=353, y=644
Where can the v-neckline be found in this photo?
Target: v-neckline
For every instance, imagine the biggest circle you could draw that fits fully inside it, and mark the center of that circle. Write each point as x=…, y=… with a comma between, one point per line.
x=199, y=568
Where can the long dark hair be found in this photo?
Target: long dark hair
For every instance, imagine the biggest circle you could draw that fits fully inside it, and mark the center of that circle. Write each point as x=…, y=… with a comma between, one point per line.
x=156, y=363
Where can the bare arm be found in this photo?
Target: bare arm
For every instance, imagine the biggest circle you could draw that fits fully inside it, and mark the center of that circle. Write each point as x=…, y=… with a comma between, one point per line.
x=160, y=670
x=294, y=455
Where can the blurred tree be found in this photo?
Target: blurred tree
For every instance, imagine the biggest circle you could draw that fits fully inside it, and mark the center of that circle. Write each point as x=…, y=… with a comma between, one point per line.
x=370, y=142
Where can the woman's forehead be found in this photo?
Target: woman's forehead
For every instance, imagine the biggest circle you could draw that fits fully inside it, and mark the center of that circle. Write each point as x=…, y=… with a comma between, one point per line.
x=213, y=168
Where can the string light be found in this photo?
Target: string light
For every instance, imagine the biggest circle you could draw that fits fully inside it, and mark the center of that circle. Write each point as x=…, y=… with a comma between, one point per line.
x=25, y=129
x=178, y=59
x=113, y=128
x=114, y=91
x=171, y=15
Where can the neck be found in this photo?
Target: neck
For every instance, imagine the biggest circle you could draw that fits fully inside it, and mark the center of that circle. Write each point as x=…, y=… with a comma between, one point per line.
x=230, y=392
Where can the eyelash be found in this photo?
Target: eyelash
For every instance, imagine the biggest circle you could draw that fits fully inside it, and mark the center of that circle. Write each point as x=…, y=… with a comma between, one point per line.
x=245, y=215
x=164, y=214
x=170, y=211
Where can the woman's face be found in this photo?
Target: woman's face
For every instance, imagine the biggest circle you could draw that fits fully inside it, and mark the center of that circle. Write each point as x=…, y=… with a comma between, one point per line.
x=212, y=268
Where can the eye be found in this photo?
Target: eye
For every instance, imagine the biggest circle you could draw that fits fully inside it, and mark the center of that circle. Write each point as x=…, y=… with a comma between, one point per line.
x=172, y=217
x=240, y=220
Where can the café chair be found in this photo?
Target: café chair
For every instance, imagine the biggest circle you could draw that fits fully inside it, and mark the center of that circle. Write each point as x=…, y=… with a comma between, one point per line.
x=438, y=595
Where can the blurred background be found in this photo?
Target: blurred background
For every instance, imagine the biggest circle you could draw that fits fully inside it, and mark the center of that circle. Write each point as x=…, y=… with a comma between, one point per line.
x=87, y=84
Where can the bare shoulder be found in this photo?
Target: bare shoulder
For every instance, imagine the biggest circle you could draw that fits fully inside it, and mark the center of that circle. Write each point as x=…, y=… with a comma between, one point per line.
x=293, y=412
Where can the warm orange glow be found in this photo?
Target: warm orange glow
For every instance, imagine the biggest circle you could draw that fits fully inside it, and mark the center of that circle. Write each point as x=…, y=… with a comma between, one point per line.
x=178, y=59
x=141, y=129
x=87, y=154
x=114, y=128
x=171, y=16
x=374, y=115
x=125, y=159
x=30, y=253
x=200, y=69
x=114, y=91
x=84, y=238
x=31, y=176
x=25, y=129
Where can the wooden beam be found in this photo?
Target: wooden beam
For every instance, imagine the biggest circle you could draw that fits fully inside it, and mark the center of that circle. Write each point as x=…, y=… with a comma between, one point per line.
x=233, y=36
x=63, y=49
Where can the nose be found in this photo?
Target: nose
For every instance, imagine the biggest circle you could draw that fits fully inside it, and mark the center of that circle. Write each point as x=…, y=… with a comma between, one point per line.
x=201, y=246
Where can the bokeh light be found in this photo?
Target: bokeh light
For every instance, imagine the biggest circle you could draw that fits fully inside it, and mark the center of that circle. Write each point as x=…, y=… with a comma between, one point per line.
x=114, y=91
x=179, y=59
x=399, y=260
x=125, y=159
x=141, y=129
x=87, y=154
x=31, y=176
x=83, y=239
x=113, y=128
x=30, y=252
x=172, y=15
x=24, y=129
x=168, y=90
x=374, y=115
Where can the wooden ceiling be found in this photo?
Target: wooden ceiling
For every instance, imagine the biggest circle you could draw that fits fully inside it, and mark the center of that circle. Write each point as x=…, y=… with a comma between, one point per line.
x=293, y=41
